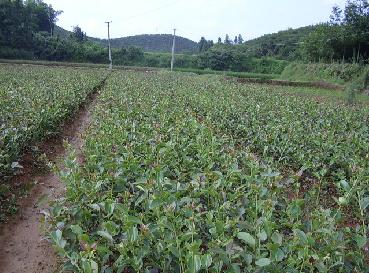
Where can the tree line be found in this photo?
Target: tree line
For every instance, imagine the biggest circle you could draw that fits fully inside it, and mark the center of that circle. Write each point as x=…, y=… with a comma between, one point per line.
x=28, y=32
x=344, y=38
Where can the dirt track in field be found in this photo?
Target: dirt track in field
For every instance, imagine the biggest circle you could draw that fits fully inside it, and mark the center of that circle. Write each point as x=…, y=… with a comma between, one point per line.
x=23, y=246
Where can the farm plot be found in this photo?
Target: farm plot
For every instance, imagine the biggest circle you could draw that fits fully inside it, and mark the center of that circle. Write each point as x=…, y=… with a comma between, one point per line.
x=191, y=174
x=33, y=101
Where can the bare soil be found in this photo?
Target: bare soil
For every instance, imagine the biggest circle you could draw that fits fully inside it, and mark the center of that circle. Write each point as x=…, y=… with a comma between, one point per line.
x=23, y=245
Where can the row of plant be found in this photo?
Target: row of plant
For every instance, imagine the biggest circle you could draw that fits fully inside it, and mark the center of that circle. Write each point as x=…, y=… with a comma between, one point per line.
x=33, y=102
x=164, y=188
x=318, y=135
x=325, y=142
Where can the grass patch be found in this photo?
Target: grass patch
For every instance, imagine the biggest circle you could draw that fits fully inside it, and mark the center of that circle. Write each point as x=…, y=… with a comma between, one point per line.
x=247, y=75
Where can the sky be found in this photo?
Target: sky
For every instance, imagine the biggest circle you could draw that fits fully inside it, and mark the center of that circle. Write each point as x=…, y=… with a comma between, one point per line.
x=192, y=18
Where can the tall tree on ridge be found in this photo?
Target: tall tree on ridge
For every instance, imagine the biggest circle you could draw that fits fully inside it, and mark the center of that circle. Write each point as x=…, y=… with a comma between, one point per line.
x=227, y=41
x=240, y=39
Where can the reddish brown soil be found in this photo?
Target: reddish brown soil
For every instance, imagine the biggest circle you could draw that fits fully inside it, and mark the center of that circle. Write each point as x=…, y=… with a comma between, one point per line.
x=23, y=246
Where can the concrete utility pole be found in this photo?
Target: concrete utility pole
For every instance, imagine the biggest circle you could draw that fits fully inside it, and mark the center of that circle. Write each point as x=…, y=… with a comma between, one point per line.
x=173, y=48
x=110, y=59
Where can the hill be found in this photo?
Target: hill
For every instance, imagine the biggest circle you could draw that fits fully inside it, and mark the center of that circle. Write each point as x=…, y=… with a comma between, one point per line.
x=282, y=44
x=148, y=42
x=152, y=43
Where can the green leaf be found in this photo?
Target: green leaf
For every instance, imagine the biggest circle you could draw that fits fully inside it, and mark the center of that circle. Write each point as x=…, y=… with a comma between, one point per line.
x=174, y=251
x=132, y=234
x=89, y=266
x=247, y=238
x=360, y=240
x=194, y=263
x=279, y=255
x=236, y=268
x=263, y=262
x=134, y=220
x=154, y=203
x=95, y=207
x=76, y=229
x=94, y=267
x=105, y=235
x=262, y=236
x=206, y=261
x=301, y=235
x=364, y=203
x=345, y=185
x=56, y=236
x=277, y=238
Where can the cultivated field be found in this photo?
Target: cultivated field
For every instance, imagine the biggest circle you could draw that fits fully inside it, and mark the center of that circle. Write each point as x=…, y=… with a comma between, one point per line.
x=33, y=103
x=184, y=173
x=195, y=174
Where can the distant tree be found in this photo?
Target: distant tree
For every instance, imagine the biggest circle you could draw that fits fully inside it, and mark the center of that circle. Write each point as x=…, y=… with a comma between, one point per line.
x=219, y=40
x=44, y=15
x=21, y=20
x=345, y=37
x=336, y=16
x=235, y=40
x=205, y=45
x=240, y=39
x=78, y=35
x=135, y=54
x=224, y=58
x=53, y=17
x=202, y=44
x=227, y=41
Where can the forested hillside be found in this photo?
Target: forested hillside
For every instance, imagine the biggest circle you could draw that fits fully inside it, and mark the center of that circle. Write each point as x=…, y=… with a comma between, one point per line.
x=147, y=42
x=153, y=43
x=283, y=44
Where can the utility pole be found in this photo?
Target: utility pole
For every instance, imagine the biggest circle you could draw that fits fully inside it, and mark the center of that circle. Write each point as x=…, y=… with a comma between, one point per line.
x=110, y=59
x=173, y=48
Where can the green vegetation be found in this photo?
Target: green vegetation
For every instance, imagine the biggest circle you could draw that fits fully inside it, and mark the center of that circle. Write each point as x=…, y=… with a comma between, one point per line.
x=188, y=173
x=230, y=73
x=29, y=32
x=282, y=45
x=334, y=73
x=327, y=94
x=228, y=57
x=33, y=103
x=152, y=43
x=344, y=38
x=163, y=60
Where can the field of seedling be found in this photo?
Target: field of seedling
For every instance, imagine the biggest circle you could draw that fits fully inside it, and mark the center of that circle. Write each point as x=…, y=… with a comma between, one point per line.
x=185, y=173
x=33, y=102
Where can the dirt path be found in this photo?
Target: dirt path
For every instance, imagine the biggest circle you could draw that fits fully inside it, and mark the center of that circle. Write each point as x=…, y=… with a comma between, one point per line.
x=23, y=247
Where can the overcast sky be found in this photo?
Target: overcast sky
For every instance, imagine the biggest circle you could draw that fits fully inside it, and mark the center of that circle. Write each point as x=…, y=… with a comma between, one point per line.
x=192, y=18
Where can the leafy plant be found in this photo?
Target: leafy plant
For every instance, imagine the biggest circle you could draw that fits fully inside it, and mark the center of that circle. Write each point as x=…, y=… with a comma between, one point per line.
x=182, y=175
